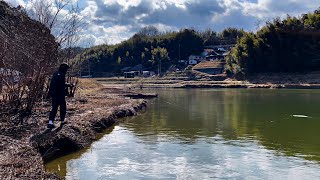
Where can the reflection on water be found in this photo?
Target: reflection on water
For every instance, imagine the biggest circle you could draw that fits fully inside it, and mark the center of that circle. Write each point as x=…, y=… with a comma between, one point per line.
x=207, y=133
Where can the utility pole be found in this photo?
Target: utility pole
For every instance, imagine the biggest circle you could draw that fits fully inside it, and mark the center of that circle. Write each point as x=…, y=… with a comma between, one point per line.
x=179, y=52
x=159, y=68
x=89, y=69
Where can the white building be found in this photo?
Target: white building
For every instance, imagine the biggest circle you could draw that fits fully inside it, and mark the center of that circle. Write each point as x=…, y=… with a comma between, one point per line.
x=195, y=59
x=193, y=62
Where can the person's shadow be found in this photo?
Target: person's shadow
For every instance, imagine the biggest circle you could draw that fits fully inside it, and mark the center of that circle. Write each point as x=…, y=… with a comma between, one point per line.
x=45, y=134
x=54, y=130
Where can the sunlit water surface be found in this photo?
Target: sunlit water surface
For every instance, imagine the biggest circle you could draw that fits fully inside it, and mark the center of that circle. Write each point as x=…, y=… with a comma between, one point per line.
x=209, y=134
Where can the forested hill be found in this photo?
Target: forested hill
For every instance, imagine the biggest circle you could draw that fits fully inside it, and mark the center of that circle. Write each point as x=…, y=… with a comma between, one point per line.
x=288, y=45
x=149, y=46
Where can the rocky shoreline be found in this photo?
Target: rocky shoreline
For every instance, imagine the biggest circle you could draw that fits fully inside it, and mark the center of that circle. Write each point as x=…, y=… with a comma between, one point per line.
x=24, y=149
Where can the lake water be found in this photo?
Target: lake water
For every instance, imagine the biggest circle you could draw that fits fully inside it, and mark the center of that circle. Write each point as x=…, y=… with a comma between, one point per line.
x=209, y=134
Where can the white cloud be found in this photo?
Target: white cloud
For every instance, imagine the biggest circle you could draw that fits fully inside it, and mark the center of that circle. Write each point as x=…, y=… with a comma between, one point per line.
x=89, y=11
x=113, y=21
x=129, y=3
x=96, y=35
x=15, y=3
x=165, y=28
x=266, y=9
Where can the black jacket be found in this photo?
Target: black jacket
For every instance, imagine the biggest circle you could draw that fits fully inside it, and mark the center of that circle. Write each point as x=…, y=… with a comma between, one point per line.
x=58, y=85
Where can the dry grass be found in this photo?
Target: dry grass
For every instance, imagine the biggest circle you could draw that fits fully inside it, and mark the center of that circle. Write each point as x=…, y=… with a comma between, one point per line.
x=89, y=83
x=286, y=78
x=86, y=85
x=208, y=64
x=18, y=160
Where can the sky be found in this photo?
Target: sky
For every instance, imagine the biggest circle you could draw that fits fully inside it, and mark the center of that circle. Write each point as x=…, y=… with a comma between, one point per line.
x=112, y=21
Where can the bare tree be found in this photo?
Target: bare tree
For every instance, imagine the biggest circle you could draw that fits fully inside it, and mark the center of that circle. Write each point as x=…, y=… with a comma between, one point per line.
x=62, y=17
x=149, y=31
x=64, y=20
x=27, y=54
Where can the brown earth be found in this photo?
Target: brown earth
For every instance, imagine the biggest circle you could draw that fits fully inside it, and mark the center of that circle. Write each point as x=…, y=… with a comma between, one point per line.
x=24, y=148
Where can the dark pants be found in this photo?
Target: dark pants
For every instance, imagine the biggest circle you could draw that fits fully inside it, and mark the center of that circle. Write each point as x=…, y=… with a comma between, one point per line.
x=56, y=102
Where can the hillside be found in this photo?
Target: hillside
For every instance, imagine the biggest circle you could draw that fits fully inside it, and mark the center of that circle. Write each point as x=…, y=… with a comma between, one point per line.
x=283, y=45
x=151, y=50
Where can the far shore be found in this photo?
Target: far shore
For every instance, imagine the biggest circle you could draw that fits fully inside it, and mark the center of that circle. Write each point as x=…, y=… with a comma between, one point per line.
x=196, y=84
x=267, y=81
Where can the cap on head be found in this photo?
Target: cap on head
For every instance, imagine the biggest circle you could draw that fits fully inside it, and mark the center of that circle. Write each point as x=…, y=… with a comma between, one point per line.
x=64, y=67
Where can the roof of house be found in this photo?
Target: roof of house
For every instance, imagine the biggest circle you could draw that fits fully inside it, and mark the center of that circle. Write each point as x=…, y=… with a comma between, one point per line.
x=209, y=64
x=125, y=68
x=197, y=55
x=136, y=68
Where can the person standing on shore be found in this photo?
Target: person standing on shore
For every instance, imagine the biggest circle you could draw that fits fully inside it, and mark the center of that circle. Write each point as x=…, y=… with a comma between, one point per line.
x=58, y=92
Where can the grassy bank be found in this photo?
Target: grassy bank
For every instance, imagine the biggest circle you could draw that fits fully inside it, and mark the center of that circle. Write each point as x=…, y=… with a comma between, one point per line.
x=25, y=148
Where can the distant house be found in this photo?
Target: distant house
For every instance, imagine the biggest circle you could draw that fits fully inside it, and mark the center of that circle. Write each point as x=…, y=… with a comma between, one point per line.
x=215, y=57
x=210, y=67
x=210, y=53
x=205, y=53
x=132, y=68
x=125, y=69
x=225, y=47
x=136, y=68
x=192, y=62
x=148, y=73
x=208, y=50
x=221, y=49
x=216, y=54
x=130, y=74
x=195, y=59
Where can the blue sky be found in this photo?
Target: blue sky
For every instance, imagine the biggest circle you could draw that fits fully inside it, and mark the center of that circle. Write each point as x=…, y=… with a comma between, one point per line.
x=112, y=21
